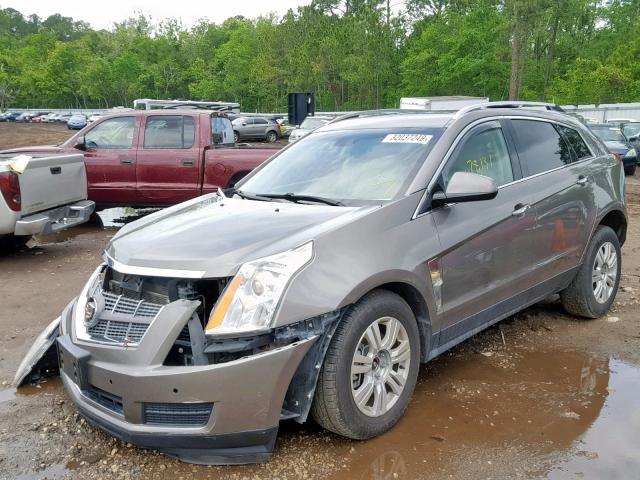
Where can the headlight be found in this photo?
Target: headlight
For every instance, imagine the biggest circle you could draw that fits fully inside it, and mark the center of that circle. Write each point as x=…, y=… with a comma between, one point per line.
x=631, y=153
x=251, y=298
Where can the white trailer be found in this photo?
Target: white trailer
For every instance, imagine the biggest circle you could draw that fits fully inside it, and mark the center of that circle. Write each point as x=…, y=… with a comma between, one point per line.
x=448, y=103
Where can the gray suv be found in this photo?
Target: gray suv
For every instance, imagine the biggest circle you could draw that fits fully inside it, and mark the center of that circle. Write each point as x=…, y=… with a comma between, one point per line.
x=255, y=128
x=321, y=282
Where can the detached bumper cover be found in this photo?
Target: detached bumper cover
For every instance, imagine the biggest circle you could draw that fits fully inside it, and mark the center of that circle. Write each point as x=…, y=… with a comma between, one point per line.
x=54, y=220
x=246, y=397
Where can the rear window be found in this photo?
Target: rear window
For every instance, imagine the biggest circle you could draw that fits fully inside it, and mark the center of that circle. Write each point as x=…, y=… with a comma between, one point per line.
x=169, y=131
x=540, y=146
x=576, y=141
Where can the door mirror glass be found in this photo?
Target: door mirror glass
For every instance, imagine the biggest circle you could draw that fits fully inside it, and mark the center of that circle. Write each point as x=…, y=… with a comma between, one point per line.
x=466, y=187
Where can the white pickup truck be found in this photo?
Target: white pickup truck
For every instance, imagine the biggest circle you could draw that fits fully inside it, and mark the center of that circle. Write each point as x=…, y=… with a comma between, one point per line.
x=41, y=194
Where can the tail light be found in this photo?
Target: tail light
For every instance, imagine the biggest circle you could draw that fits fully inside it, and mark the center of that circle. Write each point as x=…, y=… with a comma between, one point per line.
x=10, y=188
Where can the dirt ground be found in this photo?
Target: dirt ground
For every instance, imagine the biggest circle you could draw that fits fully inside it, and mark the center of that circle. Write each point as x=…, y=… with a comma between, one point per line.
x=541, y=395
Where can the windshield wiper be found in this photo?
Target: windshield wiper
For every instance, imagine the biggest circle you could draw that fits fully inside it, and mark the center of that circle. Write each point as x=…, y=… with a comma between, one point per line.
x=292, y=197
x=247, y=196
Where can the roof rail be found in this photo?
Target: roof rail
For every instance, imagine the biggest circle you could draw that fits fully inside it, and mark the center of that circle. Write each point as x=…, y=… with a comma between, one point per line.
x=507, y=104
x=381, y=111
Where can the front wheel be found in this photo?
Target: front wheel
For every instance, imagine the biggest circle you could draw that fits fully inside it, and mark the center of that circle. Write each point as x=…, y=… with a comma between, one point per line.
x=236, y=137
x=371, y=367
x=594, y=287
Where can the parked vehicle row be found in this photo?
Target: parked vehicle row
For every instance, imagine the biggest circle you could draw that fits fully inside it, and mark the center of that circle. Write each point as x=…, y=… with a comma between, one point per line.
x=322, y=280
x=46, y=117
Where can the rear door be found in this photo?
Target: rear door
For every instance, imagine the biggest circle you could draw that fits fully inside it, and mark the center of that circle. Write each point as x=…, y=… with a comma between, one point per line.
x=260, y=127
x=110, y=160
x=486, y=256
x=561, y=183
x=168, y=160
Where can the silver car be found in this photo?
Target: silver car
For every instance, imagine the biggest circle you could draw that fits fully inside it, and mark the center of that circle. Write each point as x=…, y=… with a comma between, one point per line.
x=320, y=283
x=255, y=128
x=307, y=126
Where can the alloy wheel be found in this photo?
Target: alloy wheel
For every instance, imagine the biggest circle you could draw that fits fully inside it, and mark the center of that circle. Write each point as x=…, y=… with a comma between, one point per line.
x=605, y=272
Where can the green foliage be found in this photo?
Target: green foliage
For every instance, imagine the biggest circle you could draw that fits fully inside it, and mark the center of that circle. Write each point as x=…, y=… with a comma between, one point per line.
x=354, y=54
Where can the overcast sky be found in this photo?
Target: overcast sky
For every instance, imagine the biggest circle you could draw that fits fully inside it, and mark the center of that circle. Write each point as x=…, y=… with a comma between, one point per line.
x=102, y=13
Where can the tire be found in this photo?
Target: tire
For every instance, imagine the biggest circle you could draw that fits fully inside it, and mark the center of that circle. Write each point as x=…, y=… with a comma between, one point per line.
x=630, y=170
x=272, y=136
x=13, y=243
x=580, y=297
x=236, y=136
x=334, y=406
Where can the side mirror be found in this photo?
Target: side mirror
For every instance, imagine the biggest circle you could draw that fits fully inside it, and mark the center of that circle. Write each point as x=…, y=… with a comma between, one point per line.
x=633, y=139
x=81, y=143
x=244, y=124
x=466, y=187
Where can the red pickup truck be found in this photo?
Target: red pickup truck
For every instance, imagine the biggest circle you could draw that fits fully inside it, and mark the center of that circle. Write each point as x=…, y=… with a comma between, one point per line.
x=159, y=157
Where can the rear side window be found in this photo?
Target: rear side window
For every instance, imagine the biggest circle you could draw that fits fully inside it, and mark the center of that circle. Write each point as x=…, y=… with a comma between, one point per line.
x=540, y=146
x=484, y=153
x=260, y=121
x=169, y=131
x=577, y=143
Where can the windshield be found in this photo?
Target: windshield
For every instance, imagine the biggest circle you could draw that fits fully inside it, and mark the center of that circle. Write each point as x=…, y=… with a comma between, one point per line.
x=609, y=134
x=351, y=167
x=631, y=129
x=310, y=123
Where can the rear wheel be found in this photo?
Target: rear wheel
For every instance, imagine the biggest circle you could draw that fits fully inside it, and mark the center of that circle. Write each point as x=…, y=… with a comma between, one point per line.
x=594, y=287
x=371, y=367
x=630, y=170
x=272, y=136
x=236, y=137
x=13, y=243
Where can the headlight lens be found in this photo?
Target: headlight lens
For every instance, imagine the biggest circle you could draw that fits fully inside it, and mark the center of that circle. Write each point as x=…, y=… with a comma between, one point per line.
x=251, y=298
x=631, y=153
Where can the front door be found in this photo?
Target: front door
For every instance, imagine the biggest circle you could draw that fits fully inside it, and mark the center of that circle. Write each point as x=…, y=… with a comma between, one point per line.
x=169, y=160
x=110, y=160
x=486, y=245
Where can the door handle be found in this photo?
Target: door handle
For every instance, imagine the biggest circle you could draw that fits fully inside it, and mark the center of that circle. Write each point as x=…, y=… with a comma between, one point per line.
x=126, y=161
x=582, y=180
x=520, y=209
x=188, y=162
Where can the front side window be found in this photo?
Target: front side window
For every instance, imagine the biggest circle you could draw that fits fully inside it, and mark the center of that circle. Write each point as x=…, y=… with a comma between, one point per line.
x=540, y=146
x=112, y=133
x=354, y=167
x=260, y=121
x=169, y=131
x=484, y=153
x=577, y=143
x=631, y=129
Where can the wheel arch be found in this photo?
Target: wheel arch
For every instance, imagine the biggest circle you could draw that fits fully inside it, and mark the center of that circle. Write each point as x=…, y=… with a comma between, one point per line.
x=616, y=219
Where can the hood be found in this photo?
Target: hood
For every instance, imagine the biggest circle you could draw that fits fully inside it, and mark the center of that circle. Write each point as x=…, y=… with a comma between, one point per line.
x=36, y=149
x=618, y=147
x=215, y=235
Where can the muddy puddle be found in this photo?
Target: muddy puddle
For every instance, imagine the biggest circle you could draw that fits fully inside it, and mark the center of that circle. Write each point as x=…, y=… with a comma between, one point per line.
x=516, y=413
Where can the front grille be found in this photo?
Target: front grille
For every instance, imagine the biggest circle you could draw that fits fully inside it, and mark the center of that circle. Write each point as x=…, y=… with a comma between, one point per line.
x=117, y=331
x=121, y=305
x=106, y=399
x=177, y=414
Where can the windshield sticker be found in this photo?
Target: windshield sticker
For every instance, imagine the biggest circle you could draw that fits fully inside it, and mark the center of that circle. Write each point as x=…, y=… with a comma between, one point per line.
x=407, y=138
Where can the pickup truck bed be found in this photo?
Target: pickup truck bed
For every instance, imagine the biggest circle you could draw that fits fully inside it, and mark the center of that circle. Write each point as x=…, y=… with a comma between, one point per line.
x=42, y=194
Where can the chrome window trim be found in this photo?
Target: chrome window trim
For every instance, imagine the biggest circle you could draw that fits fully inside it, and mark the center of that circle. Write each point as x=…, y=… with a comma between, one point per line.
x=475, y=123
x=151, y=271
